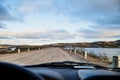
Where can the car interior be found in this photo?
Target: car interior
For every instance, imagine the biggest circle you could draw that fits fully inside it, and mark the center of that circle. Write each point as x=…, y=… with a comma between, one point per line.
x=59, y=39
x=66, y=70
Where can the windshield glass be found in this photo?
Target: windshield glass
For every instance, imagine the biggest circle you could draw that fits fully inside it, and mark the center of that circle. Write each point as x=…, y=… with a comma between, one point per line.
x=41, y=31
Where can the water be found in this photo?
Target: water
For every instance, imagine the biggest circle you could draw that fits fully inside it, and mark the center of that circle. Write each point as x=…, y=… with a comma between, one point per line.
x=110, y=52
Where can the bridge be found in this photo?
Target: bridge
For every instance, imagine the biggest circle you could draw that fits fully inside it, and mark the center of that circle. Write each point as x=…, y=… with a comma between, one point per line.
x=40, y=56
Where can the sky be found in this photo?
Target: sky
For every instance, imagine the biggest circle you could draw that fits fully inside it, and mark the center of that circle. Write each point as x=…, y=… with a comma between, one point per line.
x=38, y=22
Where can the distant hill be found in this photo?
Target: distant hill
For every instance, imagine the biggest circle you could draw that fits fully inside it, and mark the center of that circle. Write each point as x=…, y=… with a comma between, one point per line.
x=4, y=46
x=99, y=44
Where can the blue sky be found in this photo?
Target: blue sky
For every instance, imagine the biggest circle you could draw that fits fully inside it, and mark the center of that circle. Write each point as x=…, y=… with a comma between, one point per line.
x=37, y=22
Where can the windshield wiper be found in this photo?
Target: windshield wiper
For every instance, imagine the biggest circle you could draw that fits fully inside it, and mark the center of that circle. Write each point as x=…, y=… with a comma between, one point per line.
x=66, y=64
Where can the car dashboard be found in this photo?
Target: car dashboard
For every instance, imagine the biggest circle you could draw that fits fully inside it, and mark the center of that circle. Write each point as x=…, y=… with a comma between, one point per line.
x=75, y=73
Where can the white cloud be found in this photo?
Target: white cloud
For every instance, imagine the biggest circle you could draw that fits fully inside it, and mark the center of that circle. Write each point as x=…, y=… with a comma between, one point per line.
x=102, y=32
x=44, y=19
x=32, y=6
x=110, y=34
x=45, y=34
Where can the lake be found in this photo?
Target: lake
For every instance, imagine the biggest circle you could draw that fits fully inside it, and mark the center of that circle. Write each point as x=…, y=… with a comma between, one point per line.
x=110, y=52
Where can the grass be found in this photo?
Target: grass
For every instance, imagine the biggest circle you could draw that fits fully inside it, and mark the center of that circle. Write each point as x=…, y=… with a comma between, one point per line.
x=101, y=56
x=92, y=54
x=22, y=49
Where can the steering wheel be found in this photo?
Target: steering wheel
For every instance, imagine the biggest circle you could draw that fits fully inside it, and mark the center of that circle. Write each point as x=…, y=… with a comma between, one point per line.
x=10, y=71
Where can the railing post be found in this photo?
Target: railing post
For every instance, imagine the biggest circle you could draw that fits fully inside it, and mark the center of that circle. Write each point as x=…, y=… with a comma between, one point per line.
x=85, y=55
x=80, y=50
x=18, y=50
x=28, y=49
x=116, y=61
x=70, y=50
x=75, y=50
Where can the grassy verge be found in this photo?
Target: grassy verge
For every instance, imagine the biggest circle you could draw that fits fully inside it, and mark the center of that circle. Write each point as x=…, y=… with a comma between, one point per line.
x=101, y=56
x=100, y=59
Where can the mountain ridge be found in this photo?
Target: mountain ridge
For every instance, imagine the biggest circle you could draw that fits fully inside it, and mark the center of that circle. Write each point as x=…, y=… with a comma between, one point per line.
x=97, y=44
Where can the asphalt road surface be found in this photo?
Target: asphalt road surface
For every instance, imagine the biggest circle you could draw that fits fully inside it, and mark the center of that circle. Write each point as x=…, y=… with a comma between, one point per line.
x=39, y=56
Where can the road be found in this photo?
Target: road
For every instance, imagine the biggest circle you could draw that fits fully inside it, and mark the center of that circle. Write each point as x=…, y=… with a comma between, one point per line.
x=39, y=56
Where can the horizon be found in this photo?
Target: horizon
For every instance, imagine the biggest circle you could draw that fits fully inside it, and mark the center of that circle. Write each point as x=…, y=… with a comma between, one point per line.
x=41, y=22
x=54, y=43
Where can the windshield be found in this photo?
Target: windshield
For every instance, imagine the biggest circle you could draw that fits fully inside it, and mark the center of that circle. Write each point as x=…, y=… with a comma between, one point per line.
x=42, y=31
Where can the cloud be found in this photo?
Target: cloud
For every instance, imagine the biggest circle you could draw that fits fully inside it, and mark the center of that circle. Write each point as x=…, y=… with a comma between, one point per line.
x=112, y=20
x=108, y=12
x=106, y=27
x=89, y=31
x=77, y=9
x=30, y=6
x=45, y=35
x=9, y=12
x=101, y=32
x=2, y=25
x=56, y=34
x=4, y=13
x=72, y=8
x=110, y=34
x=102, y=11
x=3, y=37
x=94, y=19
